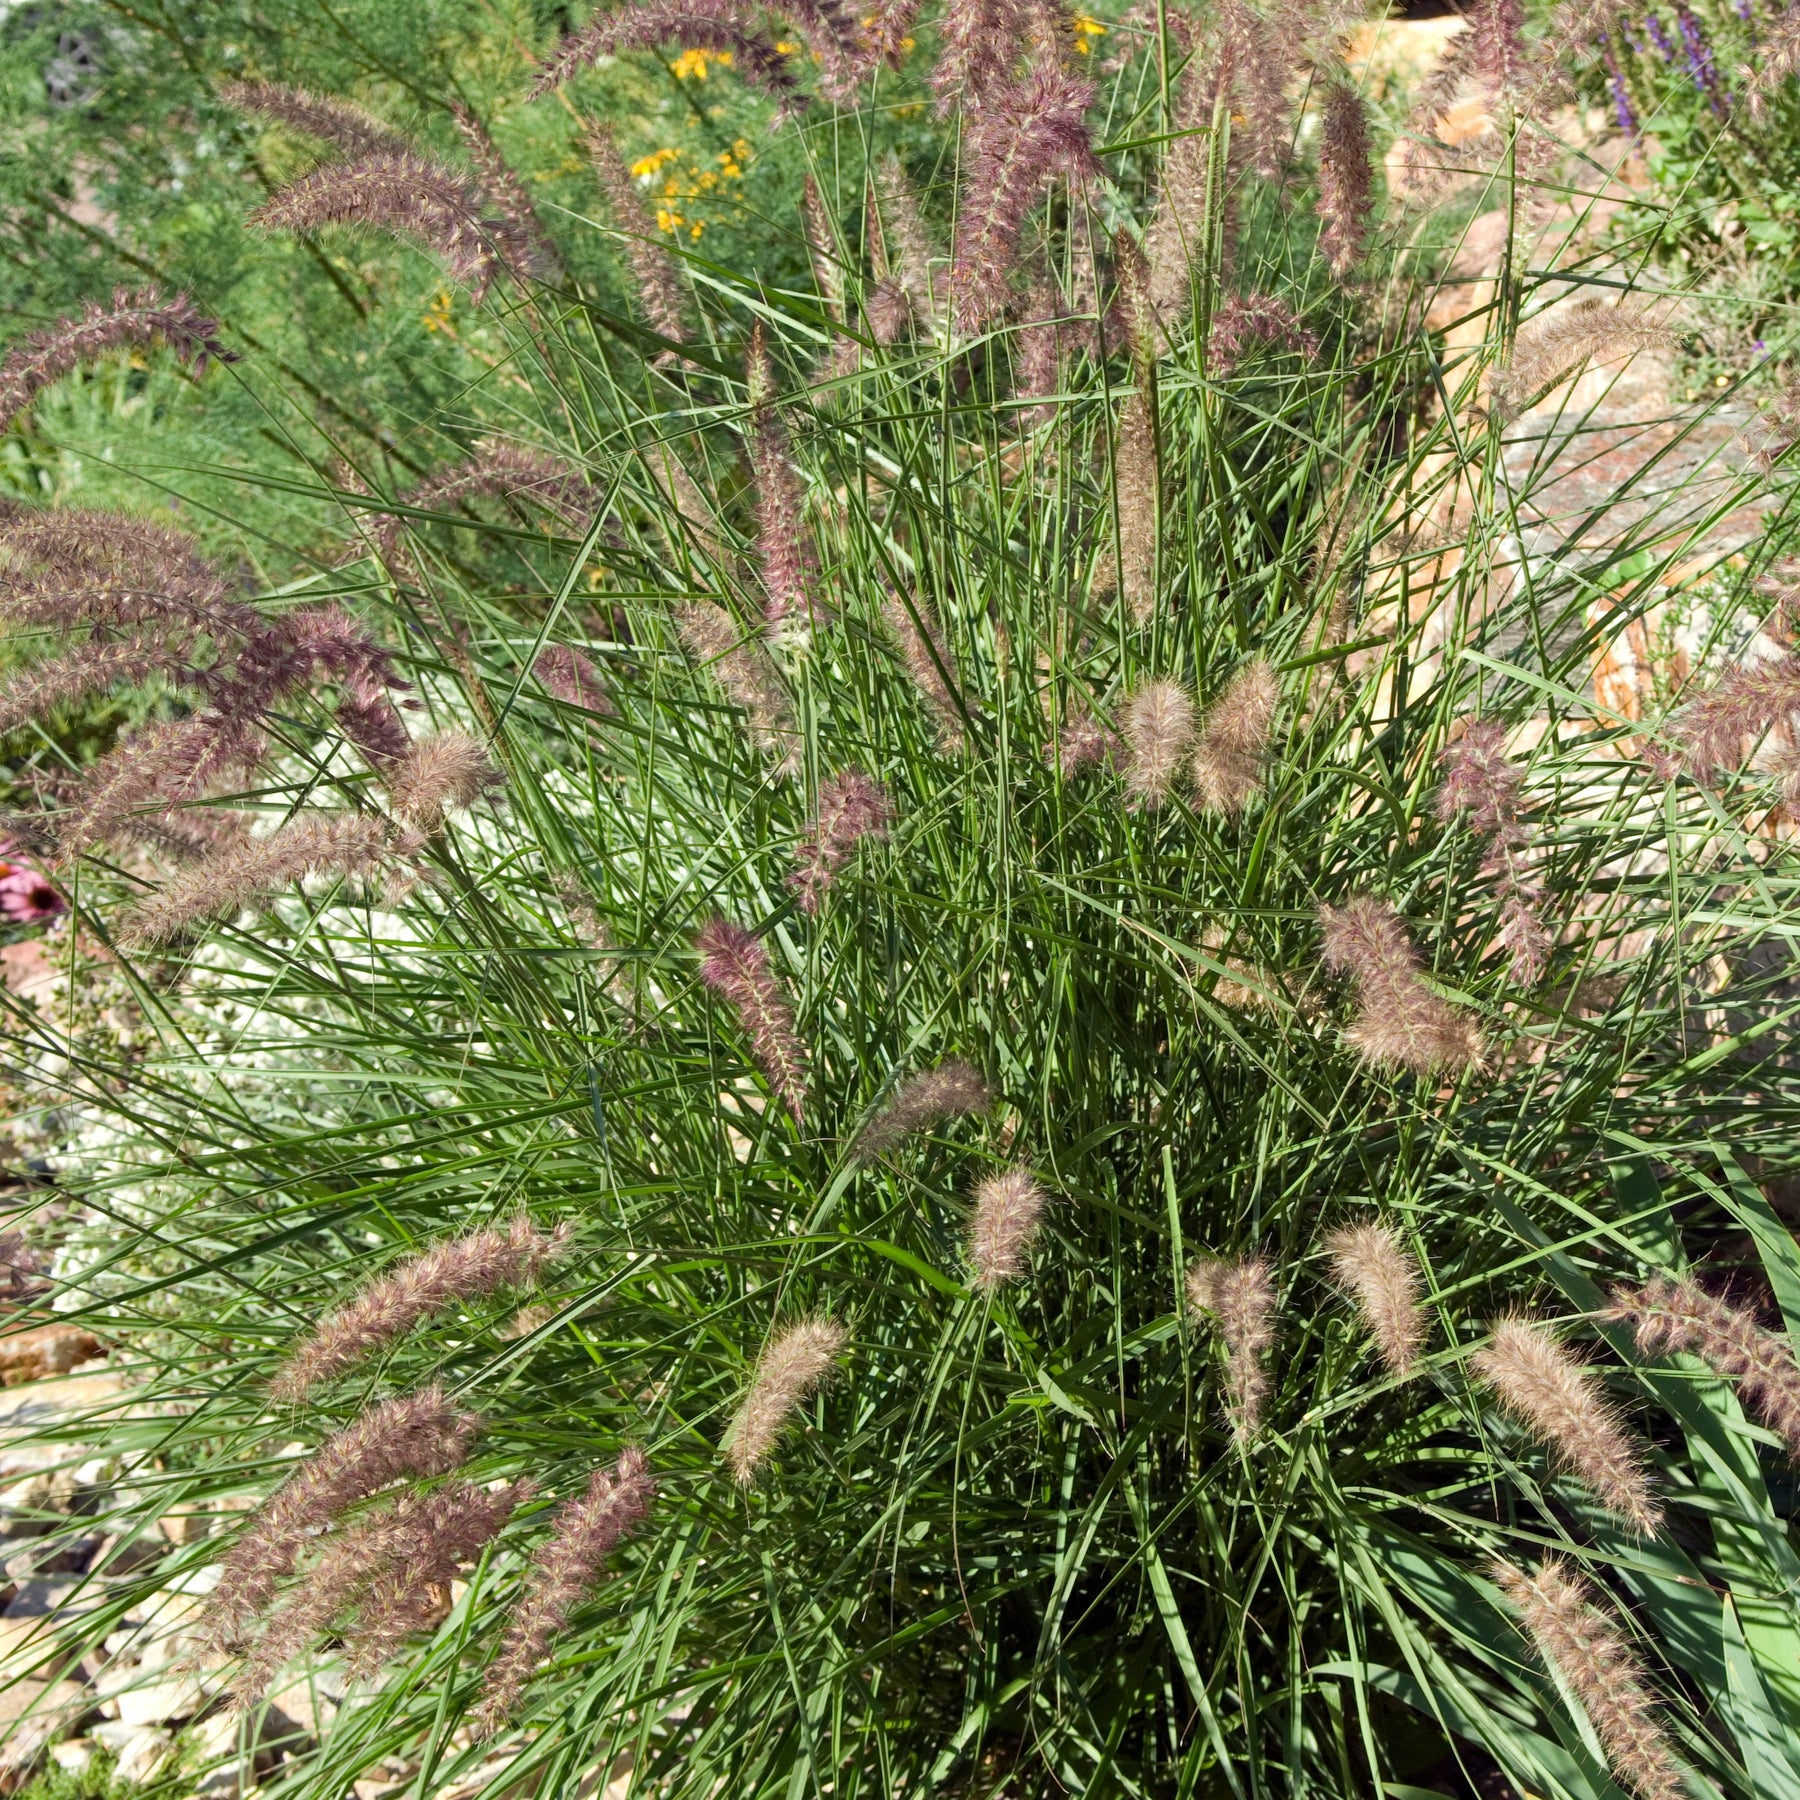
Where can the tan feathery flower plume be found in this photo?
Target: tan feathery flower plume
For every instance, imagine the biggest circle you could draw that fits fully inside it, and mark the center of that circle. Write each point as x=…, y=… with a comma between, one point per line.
x=389, y=1307
x=1346, y=177
x=1590, y=1653
x=1137, y=485
x=926, y=659
x=411, y=1436
x=583, y=1535
x=1239, y=1296
x=735, y=964
x=952, y=1090
x=1553, y=346
x=1157, y=723
x=653, y=267
x=565, y=674
x=1234, y=739
x=1381, y=1274
x=822, y=248
x=447, y=772
x=1682, y=1315
x=787, y=1372
x=1009, y=1211
x=1399, y=1020
x=746, y=676
x=1560, y=1402
x=851, y=806
x=907, y=294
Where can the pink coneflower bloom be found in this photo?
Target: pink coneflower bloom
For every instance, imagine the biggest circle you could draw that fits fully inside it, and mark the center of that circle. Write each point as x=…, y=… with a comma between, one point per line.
x=735, y=964
x=789, y=1369
x=26, y=898
x=851, y=807
x=134, y=320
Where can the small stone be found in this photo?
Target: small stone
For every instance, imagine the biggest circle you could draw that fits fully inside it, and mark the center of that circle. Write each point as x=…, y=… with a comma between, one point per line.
x=142, y=1754
x=33, y=1715
x=160, y=1703
x=45, y=1350
x=74, y=1754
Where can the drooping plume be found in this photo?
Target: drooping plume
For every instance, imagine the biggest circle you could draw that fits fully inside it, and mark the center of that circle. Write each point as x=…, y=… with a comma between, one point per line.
x=1346, y=178
x=411, y=1436
x=1746, y=702
x=1379, y=1272
x=782, y=551
x=1009, y=1211
x=1481, y=780
x=344, y=126
x=735, y=964
x=721, y=26
x=851, y=807
x=583, y=1535
x=517, y=231
x=1158, y=727
x=404, y=194
x=952, y=1090
x=1035, y=129
x=1243, y=322
x=926, y=658
x=653, y=266
x=747, y=677
x=1234, y=739
x=137, y=321
x=1556, y=344
x=38, y=689
x=463, y=1268
x=1682, y=1315
x=1561, y=1403
x=1400, y=1021
x=1239, y=1297
x=787, y=1372
x=1589, y=1652
x=445, y=773
x=250, y=870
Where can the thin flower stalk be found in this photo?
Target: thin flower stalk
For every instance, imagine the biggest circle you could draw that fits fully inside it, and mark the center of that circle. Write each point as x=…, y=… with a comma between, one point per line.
x=1009, y=1212
x=746, y=676
x=721, y=26
x=1555, y=345
x=518, y=234
x=1560, y=1402
x=790, y=1369
x=926, y=659
x=348, y=129
x=1376, y=1269
x=1157, y=724
x=565, y=674
x=1400, y=1022
x=389, y=1308
x=1234, y=739
x=1346, y=178
x=735, y=965
x=653, y=267
x=583, y=1535
x=1590, y=1653
x=1482, y=782
x=134, y=321
x=953, y=1090
x=1239, y=1297
x=851, y=806
x=1681, y=1315
x=414, y=1436
x=782, y=551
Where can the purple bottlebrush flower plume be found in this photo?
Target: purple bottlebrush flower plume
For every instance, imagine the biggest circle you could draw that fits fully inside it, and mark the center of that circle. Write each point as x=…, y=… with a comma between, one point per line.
x=653, y=266
x=1243, y=321
x=1346, y=177
x=927, y=661
x=782, y=550
x=1234, y=739
x=851, y=807
x=518, y=234
x=1399, y=1021
x=983, y=41
x=1499, y=56
x=791, y=1366
x=161, y=766
x=447, y=772
x=1560, y=1401
x=721, y=26
x=462, y=1268
x=886, y=30
x=1483, y=782
x=346, y=127
x=1555, y=344
x=1262, y=53
x=1009, y=1212
x=566, y=675
x=746, y=675
x=822, y=249
x=77, y=545
x=392, y=1566
x=1082, y=740
x=835, y=35
x=40, y=688
x=1590, y=1655
x=1682, y=1315
x=1035, y=129
x=735, y=965
x=583, y=1534
x=1383, y=1277
x=1744, y=704
x=1239, y=1296
x=1038, y=342
x=411, y=1436
x=252, y=870
x=1157, y=724
x=1187, y=210
x=952, y=1090
x=136, y=321
x=907, y=294
x=404, y=194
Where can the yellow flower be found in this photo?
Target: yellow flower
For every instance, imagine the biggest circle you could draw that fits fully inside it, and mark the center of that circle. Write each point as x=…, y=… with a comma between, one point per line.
x=1086, y=28
x=668, y=220
x=438, y=318
x=696, y=62
x=646, y=166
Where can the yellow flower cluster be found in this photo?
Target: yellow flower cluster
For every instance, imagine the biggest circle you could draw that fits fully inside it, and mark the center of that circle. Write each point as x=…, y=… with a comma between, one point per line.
x=674, y=195
x=692, y=65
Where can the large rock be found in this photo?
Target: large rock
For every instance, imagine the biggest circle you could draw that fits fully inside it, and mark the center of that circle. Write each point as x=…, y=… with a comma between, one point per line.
x=33, y=1716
